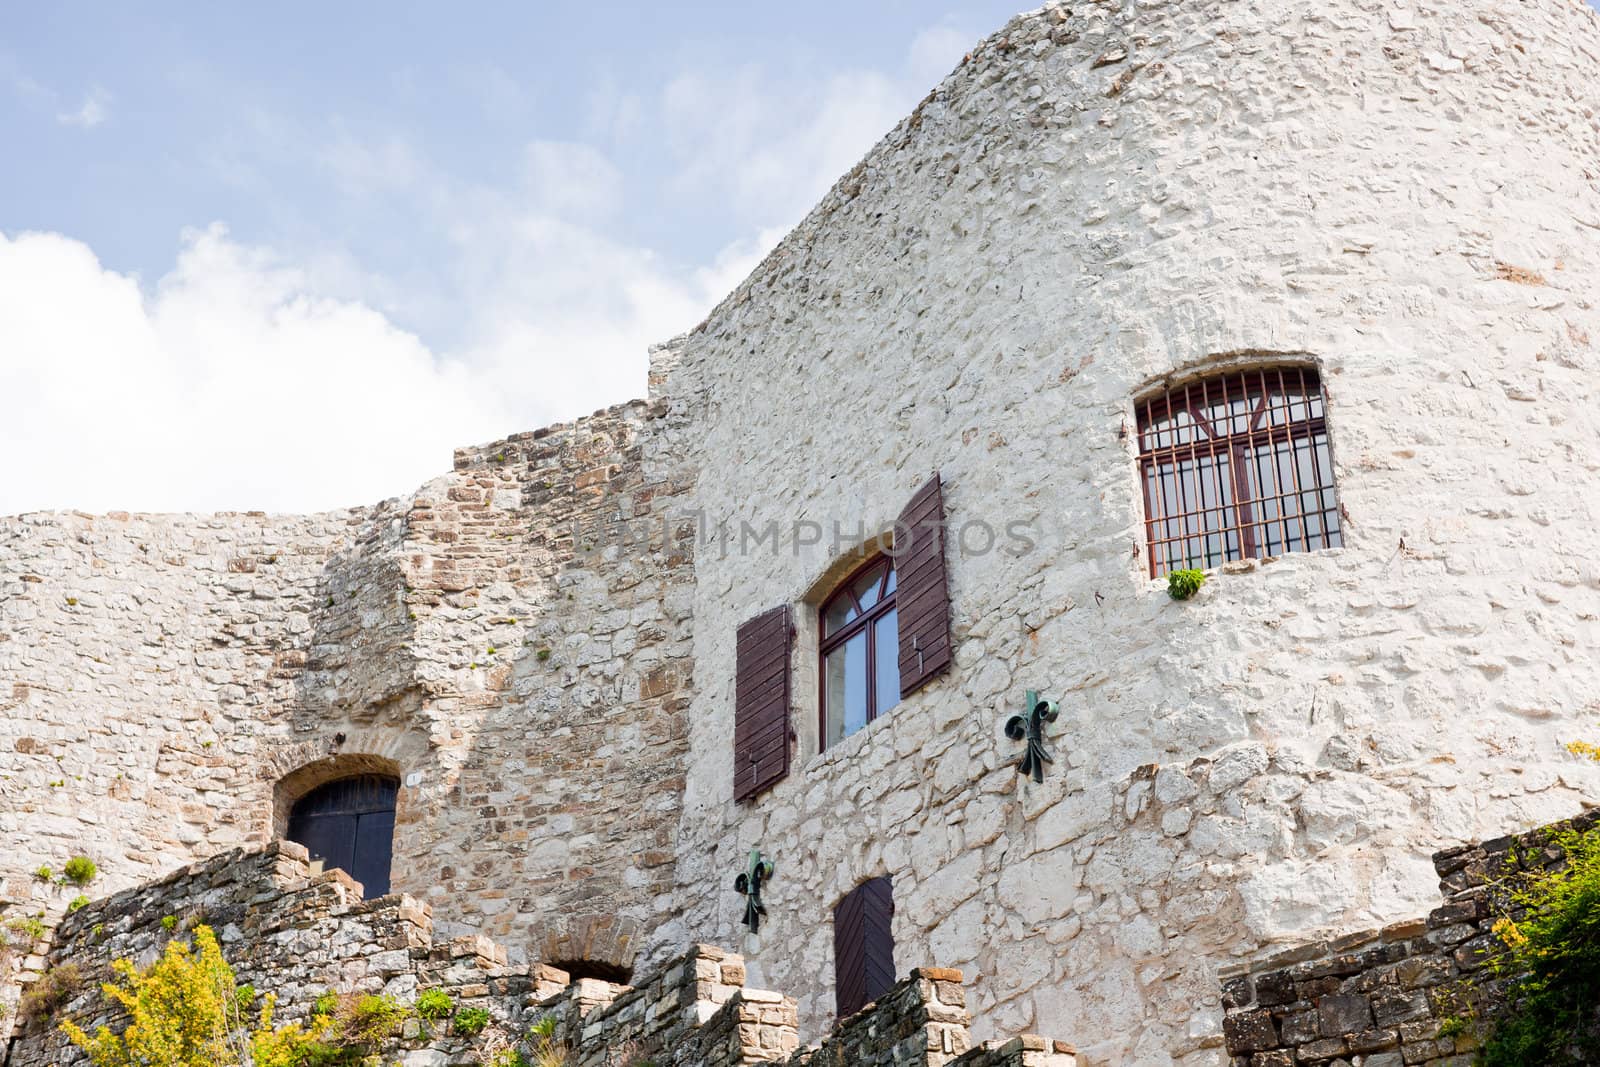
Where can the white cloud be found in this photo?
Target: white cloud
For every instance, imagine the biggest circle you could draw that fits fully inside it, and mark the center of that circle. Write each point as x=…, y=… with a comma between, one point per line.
x=278, y=379
x=232, y=385
x=572, y=180
x=228, y=387
x=771, y=147
x=94, y=110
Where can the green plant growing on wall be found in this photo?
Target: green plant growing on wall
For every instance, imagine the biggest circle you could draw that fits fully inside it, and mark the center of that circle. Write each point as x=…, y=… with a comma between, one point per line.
x=50, y=991
x=1549, y=932
x=469, y=1022
x=374, y=1019
x=80, y=870
x=185, y=1010
x=78, y=903
x=27, y=927
x=44, y=873
x=433, y=1005
x=169, y=923
x=1183, y=584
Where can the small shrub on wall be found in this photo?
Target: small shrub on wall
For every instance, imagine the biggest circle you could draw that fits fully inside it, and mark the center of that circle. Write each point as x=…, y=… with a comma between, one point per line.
x=1550, y=934
x=185, y=1010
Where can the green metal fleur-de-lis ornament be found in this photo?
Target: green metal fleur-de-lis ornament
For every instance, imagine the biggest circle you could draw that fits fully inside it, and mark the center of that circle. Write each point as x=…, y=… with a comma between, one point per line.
x=1030, y=727
x=749, y=883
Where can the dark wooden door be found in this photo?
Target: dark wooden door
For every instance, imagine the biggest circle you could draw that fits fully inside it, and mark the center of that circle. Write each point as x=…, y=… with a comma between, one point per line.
x=863, y=945
x=349, y=824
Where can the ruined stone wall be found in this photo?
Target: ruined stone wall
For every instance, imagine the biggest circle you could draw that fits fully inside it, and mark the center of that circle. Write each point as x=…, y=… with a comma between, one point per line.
x=169, y=685
x=286, y=929
x=1418, y=991
x=1104, y=195
x=295, y=932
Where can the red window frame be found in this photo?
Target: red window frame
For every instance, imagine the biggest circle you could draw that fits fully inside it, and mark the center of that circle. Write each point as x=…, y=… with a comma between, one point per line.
x=864, y=620
x=1203, y=492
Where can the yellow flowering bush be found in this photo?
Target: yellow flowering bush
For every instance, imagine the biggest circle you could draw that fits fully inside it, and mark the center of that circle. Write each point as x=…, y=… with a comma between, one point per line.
x=186, y=1010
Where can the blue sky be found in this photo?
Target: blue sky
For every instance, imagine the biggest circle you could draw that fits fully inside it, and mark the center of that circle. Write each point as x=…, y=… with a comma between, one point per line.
x=288, y=257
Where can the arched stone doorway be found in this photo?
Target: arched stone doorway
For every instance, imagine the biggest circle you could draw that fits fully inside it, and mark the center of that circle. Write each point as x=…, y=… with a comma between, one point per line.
x=346, y=821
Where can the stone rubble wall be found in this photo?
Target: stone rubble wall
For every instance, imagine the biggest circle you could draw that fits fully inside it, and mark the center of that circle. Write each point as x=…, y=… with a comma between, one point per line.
x=295, y=931
x=287, y=928
x=170, y=684
x=1102, y=197
x=1406, y=994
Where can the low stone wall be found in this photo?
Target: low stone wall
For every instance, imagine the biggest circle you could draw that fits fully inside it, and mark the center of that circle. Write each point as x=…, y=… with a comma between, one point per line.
x=698, y=1013
x=290, y=929
x=287, y=928
x=1400, y=995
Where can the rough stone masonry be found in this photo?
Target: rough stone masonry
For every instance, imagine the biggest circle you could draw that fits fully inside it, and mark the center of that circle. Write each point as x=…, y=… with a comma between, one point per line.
x=1103, y=198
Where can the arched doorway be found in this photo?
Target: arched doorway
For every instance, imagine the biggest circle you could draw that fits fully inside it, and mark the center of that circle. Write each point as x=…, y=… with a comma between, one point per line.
x=349, y=824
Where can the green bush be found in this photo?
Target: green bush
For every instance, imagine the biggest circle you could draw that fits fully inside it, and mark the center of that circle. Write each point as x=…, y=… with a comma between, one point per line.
x=433, y=1005
x=1549, y=931
x=79, y=902
x=1181, y=585
x=28, y=928
x=80, y=870
x=373, y=1019
x=469, y=1022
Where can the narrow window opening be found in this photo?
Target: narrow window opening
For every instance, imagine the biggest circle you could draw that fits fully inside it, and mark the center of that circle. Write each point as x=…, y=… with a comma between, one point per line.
x=1237, y=467
x=614, y=973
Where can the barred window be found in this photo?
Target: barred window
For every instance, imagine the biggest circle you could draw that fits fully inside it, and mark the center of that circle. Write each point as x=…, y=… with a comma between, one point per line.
x=1237, y=467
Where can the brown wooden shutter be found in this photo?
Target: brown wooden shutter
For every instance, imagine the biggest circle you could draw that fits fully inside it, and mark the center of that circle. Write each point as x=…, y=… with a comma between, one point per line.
x=923, y=592
x=863, y=945
x=761, y=703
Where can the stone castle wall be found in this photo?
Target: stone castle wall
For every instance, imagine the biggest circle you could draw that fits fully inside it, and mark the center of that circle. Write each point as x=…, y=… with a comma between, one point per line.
x=295, y=932
x=169, y=685
x=1103, y=196
x=1100, y=199
x=287, y=929
x=1414, y=992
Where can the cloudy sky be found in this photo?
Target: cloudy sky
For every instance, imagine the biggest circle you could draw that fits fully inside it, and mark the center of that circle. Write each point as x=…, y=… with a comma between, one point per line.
x=288, y=257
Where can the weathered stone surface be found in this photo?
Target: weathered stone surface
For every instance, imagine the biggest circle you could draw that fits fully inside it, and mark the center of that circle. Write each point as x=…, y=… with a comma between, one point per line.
x=1390, y=1004
x=1101, y=199
x=181, y=680
x=296, y=933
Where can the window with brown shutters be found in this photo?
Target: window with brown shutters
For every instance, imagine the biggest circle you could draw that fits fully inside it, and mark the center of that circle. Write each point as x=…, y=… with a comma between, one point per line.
x=924, y=591
x=761, y=703
x=863, y=945
x=1237, y=467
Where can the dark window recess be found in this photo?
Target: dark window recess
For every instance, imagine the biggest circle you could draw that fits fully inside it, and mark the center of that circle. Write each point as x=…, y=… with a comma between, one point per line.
x=1237, y=467
x=349, y=824
x=860, y=651
x=863, y=945
x=601, y=969
x=761, y=703
x=924, y=594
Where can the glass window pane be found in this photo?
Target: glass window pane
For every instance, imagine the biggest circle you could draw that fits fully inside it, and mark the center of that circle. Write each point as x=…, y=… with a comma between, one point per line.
x=886, y=650
x=866, y=587
x=846, y=669
x=840, y=611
